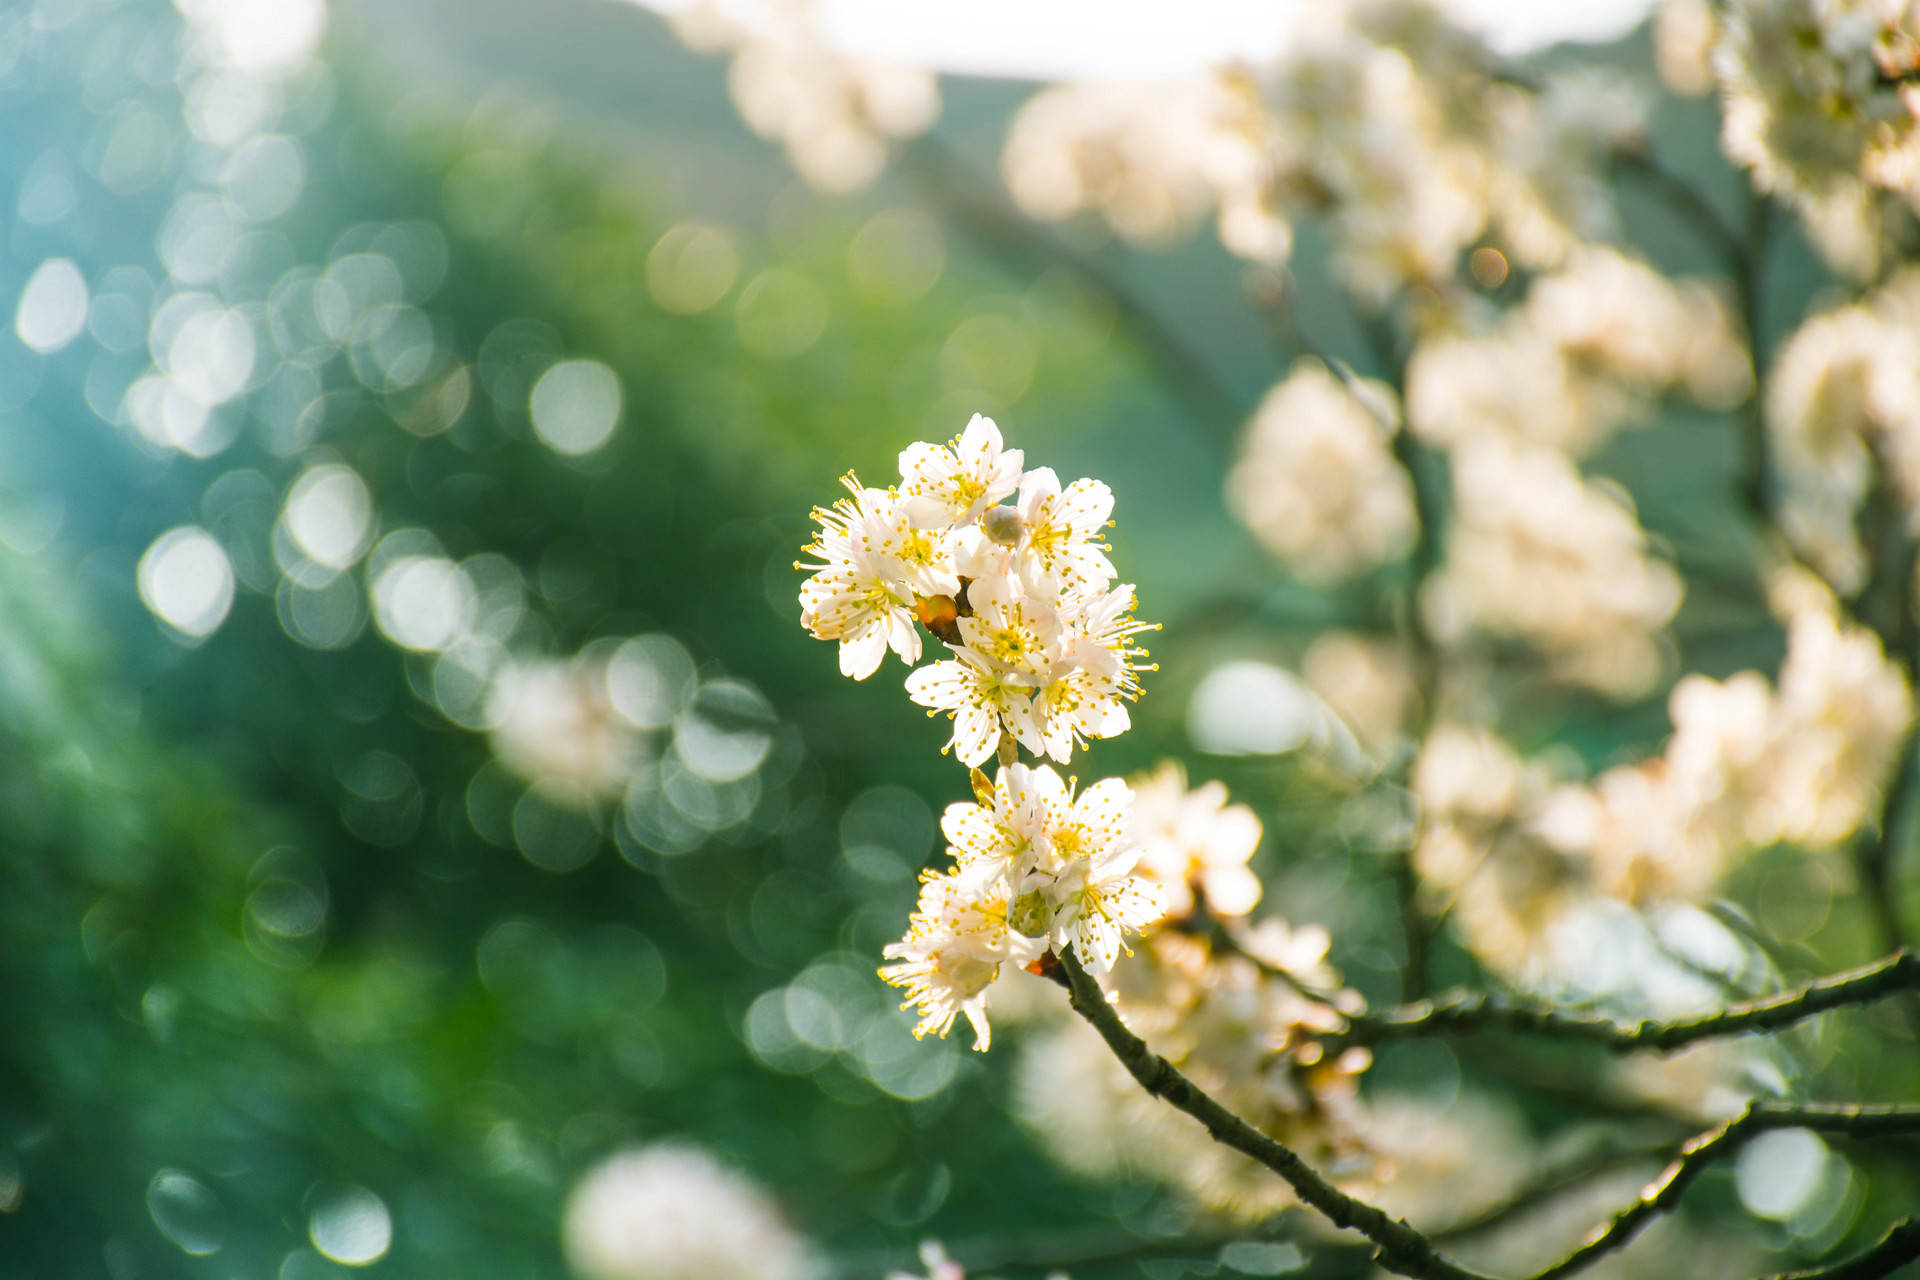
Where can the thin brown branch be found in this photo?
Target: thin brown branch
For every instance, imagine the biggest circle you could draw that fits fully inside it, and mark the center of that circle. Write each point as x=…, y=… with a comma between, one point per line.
x=1468, y=1011
x=1664, y=1193
x=1403, y=1250
x=1406, y=1251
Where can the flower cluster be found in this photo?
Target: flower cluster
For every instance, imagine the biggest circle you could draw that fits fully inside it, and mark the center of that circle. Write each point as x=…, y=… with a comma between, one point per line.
x=1150, y=162
x=834, y=114
x=1751, y=766
x=1241, y=1008
x=1195, y=845
x=1236, y=1027
x=1316, y=481
x=1379, y=116
x=1845, y=390
x=1517, y=852
x=1021, y=594
x=1034, y=866
x=1540, y=554
x=1580, y=358
x=1820, y=106
x=1488, y=850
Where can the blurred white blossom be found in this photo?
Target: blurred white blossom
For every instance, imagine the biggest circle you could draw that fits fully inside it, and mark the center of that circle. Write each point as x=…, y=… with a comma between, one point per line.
x=1379, y=115
x=1845, y=391
x=1151, y=160
x=1818, y=108
x=554, y=725
x=1247, y=1037
x=1316, y=481
x=1368, y=681
x=1684, y=34
x=1583, y=356
x=671, y=1212
x=834, y=114
x=1540, y=554
x=1191, y=839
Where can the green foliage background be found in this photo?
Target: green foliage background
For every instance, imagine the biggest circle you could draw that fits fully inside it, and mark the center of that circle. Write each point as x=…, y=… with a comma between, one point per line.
x=466, y=1032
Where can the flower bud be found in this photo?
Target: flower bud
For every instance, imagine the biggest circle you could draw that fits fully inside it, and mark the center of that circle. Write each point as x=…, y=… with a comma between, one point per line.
x=1002, y=525
x=1029, y=914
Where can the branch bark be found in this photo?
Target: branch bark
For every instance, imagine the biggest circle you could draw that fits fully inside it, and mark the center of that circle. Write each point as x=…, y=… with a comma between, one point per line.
x=1401, y=1248
x=1664, y=1193
x=1469, y=1011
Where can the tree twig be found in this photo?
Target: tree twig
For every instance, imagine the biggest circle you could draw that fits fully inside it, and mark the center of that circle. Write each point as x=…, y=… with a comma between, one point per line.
x=1682, y=198
x=1898, y=1247
x=1467, y=1011
x=1401, y=1248
x=1664, y=1193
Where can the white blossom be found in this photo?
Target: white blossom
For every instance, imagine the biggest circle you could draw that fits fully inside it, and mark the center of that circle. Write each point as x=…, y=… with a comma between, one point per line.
x=1192, y=839
x=1034, y=865
x=1316, y=481
x=954, y=483
x=554, y=725
x=1539, y=554
x=834, y=114
x=1814, y=108
x=671, y=1212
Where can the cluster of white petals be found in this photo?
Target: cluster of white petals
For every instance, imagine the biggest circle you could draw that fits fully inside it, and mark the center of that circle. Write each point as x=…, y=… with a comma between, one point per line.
x=1515, y=851
x=1537, y=553
x=1487, y=851
x=1750, y=765
x=1368, y=110
x=1022, y=595
x=1845, y=390
x=1819, y=105
x=672, y=1212
x=1034, y=866
x=834, y=114
x=1151, y=160
x=1195, y=845
x=1316, y=481
x=1378, y=115
x=1580, y=358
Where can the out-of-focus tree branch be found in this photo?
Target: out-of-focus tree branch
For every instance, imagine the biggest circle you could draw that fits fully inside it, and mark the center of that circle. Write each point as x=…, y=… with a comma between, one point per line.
x=949, y=184
x=1406, y=1251
x=1664, y=1193
x=1898, y=1247
x=1467, y=1011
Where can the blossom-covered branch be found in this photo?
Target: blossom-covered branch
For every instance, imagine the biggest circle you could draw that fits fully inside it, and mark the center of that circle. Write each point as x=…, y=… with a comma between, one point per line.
x=1467, y=1011
x=1403, y=1250
x=1407, y=1251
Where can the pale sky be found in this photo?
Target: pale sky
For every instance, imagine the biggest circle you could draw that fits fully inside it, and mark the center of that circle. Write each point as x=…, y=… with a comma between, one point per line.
x=1145, y=39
